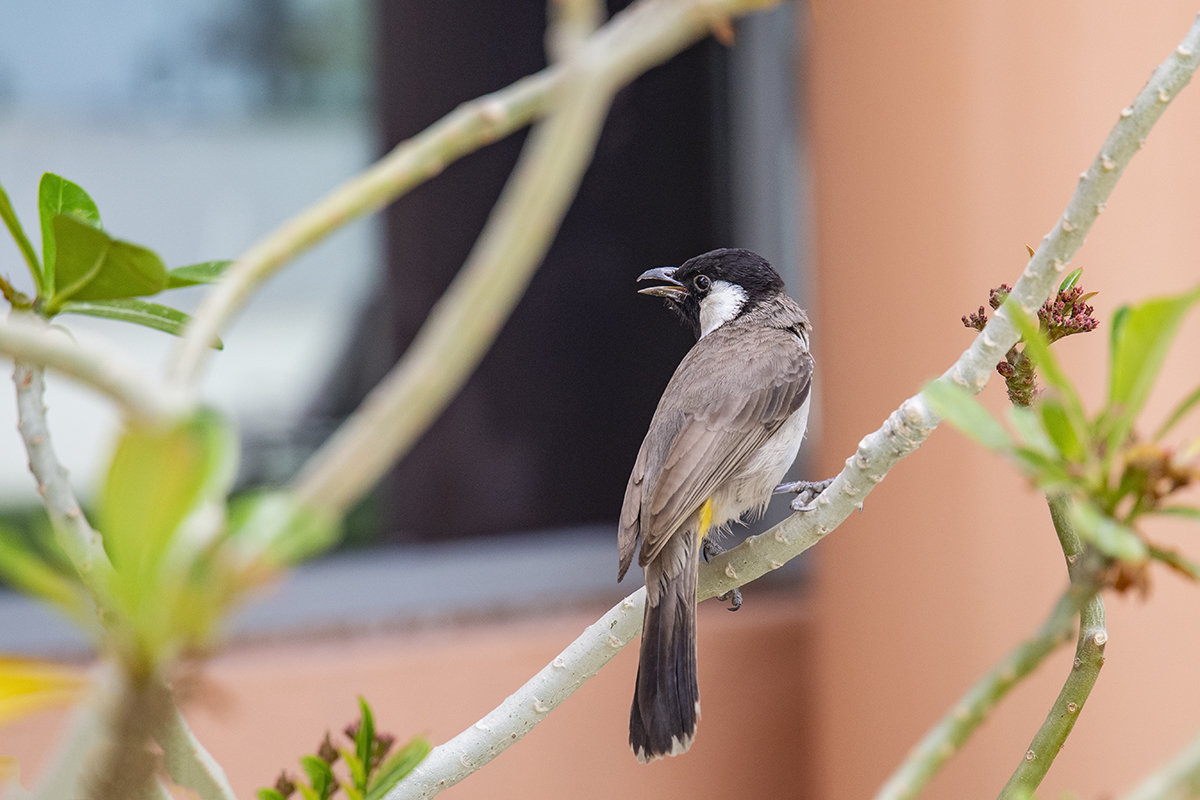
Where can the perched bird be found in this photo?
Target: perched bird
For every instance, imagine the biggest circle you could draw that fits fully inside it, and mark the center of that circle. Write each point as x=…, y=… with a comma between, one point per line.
x=726, y=429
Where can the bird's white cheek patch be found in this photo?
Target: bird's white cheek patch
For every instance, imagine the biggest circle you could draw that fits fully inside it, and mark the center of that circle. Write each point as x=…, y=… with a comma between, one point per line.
x=723, y=303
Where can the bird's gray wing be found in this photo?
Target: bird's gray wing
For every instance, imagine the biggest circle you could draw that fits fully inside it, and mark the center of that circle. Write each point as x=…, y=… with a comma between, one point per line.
x=720, y=419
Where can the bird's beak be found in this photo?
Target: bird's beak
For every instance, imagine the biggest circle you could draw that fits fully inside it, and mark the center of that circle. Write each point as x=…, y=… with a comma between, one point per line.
x=670, y=288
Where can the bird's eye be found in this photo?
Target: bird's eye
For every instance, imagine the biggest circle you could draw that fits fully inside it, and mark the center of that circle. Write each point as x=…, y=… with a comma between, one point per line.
x=701, y=282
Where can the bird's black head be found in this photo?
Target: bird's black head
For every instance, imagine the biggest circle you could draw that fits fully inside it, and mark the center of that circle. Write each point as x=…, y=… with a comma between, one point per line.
x=711, y=289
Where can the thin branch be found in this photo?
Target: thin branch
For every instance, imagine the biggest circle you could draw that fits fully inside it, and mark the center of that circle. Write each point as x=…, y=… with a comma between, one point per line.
x=186, y=760
x=909, y=425
x=950, y=733
x=645, y=34
x=1179, y=779
x=903, y=431
x=1085, y=670
x=454, y=760
x=27, y=339
x=77, y=539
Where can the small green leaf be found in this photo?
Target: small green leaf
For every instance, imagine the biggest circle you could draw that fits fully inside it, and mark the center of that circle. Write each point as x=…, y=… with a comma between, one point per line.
x=1176, y=560
x=1028, y=424
x=9, y=215
x=1058, y=426
x=1048, y=472
x=358, y=771
x=269, y=794
x=1180, y=511
x=320, y=775
x=1180, y=411
x=1146, y=333
x=1110, y=537
x=56, y=196
x=364, y=740
x=352, y=792
x=28, y=571
x=394, y=769
x=960, y=407
x=1072, y=278
x=139, y=312
x=308, y=792
x=94, y=266
x=193, y=274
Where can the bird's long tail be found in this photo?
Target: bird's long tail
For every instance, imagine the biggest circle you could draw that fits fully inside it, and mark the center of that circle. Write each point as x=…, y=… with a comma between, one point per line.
x=666, y=703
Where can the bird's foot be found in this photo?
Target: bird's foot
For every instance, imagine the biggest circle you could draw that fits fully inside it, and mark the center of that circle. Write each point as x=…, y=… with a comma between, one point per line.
x=734, y=597
x=806, y=492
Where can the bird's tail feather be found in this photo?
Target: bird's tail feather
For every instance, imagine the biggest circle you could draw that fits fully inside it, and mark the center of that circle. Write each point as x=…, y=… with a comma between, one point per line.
x=666, y=703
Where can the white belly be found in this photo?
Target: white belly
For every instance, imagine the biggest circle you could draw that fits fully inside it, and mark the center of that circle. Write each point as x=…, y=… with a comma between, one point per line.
x=750, y=489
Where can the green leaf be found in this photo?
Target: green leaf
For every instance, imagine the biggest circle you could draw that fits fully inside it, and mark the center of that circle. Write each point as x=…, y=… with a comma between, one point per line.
x=193, y=274
x=1139, y=348
x=1180, y=511
x=364, y=740
x=1048, y=472
x=1110, y=537
x=9, y=215
x=352, y=792
x=139, y=312
x=394, y=769
x=358, y=771
x=26, y=570
x=1058, y=425
x=269, y=794
x=1069, y=282
x=1028, y=424
x=160, y=475
x=960, y=407
x=320, y=775
x=308, y=792
x=56, y=196
x=91, y=265
x=1181, y=411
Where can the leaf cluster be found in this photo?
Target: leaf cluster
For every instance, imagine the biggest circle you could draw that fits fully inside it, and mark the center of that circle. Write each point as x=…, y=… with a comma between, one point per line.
x=1118, y=475
x=85, y=270
x=370, y=772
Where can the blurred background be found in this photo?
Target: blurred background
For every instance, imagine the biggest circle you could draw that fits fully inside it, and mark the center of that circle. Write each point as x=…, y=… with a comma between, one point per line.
x=891, y=160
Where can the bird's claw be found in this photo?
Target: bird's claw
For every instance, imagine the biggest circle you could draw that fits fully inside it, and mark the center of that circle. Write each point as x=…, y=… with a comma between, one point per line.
x=806, y=492
x=734, y=596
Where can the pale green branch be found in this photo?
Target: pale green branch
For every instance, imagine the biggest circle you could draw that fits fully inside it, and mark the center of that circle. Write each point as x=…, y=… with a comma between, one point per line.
x=467, y=318
x=645, y=34
x=1179, y=779
x=27, y=339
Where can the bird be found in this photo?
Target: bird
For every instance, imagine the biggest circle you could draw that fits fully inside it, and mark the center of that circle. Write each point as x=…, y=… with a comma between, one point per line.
x=727, y=428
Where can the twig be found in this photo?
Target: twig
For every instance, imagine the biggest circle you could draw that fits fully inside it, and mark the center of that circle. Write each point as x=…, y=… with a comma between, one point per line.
x=1179, y=779
x=25, y=338
x=186, y=760
x=1089, y=658
x=903, y=431
x=945, y=738
x=454, y=760
x=78, y=540
x=645, y=34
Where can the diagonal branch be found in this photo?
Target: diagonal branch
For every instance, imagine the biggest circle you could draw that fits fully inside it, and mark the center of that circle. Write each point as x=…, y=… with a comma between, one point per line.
x=640, y=37
x=903, y=431
x=26, y=338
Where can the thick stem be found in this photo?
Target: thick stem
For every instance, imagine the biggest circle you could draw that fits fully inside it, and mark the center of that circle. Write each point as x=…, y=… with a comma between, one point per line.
x=1085, y=670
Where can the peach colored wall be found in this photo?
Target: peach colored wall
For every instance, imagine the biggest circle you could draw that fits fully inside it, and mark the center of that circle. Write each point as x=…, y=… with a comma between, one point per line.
x=946, y=136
